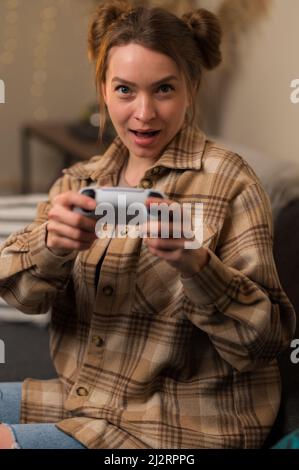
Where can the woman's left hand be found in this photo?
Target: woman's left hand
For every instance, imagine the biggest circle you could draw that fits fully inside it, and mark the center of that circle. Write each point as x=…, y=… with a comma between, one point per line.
x=173, y=250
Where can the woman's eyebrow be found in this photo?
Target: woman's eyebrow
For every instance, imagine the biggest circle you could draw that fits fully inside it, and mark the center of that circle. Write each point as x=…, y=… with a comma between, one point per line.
x=165, y=79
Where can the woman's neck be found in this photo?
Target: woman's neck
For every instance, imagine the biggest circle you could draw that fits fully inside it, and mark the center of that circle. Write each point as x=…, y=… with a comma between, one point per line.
x=134, y=169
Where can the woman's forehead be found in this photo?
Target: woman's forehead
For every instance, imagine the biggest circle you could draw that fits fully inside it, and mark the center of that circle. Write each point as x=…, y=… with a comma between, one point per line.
x=134, y=59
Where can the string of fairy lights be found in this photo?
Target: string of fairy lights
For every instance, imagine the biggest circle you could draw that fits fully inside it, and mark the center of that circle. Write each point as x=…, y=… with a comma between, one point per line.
x=10, y=40
x=46, y=28
x=9, y=33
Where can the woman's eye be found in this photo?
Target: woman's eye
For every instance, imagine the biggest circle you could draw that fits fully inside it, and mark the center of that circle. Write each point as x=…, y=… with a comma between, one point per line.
x=124, y=89
x=166, y=88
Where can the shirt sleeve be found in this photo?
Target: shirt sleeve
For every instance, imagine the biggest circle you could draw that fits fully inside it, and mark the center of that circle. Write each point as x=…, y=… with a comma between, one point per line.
x=237, y=298
x=30, y=274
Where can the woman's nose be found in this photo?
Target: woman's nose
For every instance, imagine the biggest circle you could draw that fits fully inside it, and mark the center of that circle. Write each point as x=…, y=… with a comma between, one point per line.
x=145, y=108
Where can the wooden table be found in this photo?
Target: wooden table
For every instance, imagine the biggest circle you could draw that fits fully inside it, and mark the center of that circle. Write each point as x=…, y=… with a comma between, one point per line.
x=60, y=137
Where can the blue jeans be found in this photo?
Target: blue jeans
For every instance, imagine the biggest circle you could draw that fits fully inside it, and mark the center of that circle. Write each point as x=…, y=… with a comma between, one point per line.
x=30, y=436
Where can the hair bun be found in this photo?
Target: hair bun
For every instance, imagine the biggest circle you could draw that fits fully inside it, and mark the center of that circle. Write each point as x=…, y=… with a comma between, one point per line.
x=206, y=29
x=104, y=16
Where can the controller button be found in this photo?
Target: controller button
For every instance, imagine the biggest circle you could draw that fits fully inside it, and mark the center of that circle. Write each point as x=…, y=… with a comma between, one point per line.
x=108, y=290
x=89, y=192
x=154, y=194
x=146, y=184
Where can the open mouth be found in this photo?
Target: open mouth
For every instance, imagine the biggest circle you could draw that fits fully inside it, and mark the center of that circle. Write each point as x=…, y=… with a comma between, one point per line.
x=145, y=134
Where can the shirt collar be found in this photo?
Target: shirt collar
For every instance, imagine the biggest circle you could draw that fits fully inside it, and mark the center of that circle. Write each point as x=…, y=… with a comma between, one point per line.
x=184, y=152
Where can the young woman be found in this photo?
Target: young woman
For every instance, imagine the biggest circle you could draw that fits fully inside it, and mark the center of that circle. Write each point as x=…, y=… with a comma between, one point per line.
x=155, y=345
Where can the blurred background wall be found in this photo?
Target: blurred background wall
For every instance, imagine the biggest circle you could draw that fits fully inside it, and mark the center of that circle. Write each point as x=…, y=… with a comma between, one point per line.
x=258, y=111
x=44, y=65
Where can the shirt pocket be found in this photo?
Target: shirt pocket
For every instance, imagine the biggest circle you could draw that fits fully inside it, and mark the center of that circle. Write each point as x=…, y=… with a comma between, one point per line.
x=155, y=284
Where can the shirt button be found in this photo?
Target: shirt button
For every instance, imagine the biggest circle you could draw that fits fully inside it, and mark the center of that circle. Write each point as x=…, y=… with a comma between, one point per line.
x=108, y=290
x=82, y=391
x=156, y=170
x=124, y=231
x=146, y=184
x=97, y=341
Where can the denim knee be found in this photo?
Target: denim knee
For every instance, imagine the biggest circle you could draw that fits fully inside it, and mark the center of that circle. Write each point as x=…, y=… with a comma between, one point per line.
x=10, y=402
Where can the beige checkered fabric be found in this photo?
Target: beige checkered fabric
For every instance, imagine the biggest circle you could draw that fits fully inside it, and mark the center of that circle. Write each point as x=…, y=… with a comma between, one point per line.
x=145, y=358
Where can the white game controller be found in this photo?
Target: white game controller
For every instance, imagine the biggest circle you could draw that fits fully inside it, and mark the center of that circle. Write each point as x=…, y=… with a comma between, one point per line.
x=122, y=200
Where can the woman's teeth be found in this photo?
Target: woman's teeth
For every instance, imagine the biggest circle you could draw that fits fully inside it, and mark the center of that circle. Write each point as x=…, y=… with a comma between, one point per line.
x=145, y=134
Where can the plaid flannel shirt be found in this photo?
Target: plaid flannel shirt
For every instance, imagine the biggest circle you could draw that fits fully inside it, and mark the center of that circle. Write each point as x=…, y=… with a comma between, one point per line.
x=144, y=357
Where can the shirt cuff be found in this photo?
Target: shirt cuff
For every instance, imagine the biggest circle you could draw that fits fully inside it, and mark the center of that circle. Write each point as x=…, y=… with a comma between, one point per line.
x=44, y=259
x=210, y=283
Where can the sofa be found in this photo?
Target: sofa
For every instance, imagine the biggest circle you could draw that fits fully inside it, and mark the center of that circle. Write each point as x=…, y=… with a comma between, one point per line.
x=286, y=254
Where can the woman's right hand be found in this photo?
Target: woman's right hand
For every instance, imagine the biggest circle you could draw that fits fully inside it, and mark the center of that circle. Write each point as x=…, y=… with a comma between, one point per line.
x=68, y=230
